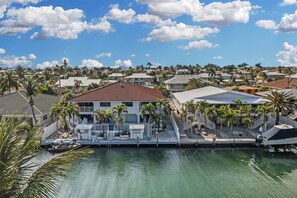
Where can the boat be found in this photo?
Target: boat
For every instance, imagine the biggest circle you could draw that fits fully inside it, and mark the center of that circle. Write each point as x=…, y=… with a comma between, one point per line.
x=278, y=136
x=59, y=145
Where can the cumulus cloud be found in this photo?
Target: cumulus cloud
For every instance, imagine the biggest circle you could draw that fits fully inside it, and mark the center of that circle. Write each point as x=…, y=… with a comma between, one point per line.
x=13, y=61
x=199, y=45
x=147, y=55
x=91, y=63
x=123, y=63
x=288, y=2
x=266, y=24
x=133, y=55
x=53, y=63
x=153, y=19
x=288, y=55
x=180, y=31
x=2, y=51
x=54, y=22
x=104, y=54
x=216, y=13
x=288, y=23
x=122, y=16
x=218, y=57
x=4, y=4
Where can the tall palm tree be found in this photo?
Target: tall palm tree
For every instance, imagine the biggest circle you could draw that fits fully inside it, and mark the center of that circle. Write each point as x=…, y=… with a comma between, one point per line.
x=56, y=111
x=19, y=176
x=8, y=81
x=246, y=122
x=194, y=83
x=200, y=106
x=263, y=76
x=210, y=113
x=280, y=101
x=118, y=111
x=31, y=88
x=148, y=110
x=230, y=116
x=264, y=110
x=72, y=111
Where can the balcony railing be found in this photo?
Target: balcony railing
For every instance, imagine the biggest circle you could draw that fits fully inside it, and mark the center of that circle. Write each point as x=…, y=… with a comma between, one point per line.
x=86, y=109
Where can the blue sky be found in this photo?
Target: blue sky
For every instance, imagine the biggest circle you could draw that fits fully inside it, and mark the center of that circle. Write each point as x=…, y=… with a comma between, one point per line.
x=95, y=33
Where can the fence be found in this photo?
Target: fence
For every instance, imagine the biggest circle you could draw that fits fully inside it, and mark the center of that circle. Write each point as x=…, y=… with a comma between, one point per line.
x=49, y=130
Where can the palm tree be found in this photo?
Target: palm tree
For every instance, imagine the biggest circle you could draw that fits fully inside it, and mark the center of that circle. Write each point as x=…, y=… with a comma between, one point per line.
x=280, y=101
x=246, y=122
x=8, y=81
x=162, y=111
x=289, y=72
x=118, y=111
x=263, y=76
x=200, y=106
x=230, y=116
x=210, y=113
x=264, y=110
x=221, y=113
x=239, y=104
x=19, y=176
x=72, y=110
x=31, y=88
x=184, y=115
x=194, y=83
x=56, y=111
x=148, y=110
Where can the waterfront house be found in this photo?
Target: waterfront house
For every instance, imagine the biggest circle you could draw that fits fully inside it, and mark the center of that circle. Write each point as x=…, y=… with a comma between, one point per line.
x=16, y=105
x=115, y=76
x=108, y=97
x=179, y=82
x=139, y=79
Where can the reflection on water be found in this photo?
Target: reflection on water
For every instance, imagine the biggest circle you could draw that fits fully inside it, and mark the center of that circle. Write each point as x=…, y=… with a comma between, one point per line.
x=124, y=172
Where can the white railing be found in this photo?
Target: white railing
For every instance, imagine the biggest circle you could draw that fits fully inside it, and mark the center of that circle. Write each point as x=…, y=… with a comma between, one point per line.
x=201, y=121
x=49, y=130
x=175, y=127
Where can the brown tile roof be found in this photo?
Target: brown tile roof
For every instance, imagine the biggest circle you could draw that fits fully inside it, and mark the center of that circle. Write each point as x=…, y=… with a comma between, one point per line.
x=119, y=91
x=281, y=84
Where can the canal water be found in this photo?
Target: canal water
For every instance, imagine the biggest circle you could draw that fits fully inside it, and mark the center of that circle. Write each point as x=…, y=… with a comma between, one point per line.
x=149, y=172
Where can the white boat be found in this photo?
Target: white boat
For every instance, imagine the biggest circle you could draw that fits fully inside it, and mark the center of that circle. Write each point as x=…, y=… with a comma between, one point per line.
x=279, y=135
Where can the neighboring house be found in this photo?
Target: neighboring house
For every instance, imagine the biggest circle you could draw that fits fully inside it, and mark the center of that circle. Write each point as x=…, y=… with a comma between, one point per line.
x=70, y=83
x=214, y=96
x=224, y=76
x=179, y=82
x=107, y=97
x=281, y=84
x=182, y=71
x=245, y=89
x=274, y=75
x=17, y=105
x=139, y=78
x=115, y=76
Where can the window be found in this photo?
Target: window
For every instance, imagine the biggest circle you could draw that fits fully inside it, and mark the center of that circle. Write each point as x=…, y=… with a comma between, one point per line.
x=104, y=104
x=85, y=104
x=128, y=104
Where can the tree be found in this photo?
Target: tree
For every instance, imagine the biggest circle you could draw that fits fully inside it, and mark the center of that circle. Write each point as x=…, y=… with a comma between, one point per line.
x=200, y=106
x=210, y=113
x=72, y=110
x=103, y=116
x=264, y=110
x=118, y=111
x=8, y=81
x=148, y=110
x=19, y=176
x=280, y=101
x=246, y=122
x=263, y=76
x=55, y=111
x=194, y=83
x=230, y=116
x=239, y=104
x=32, y=88
x=289, y=72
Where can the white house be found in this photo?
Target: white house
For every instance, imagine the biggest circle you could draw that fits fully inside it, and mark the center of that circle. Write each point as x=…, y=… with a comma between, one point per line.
x=179, y=82
x=108, y=97
x=139, y=78
x=115, y=76
x=70, y=83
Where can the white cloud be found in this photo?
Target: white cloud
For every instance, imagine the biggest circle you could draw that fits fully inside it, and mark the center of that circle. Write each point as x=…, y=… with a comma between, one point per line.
x=288, y=23
x=54, y=22
x=288, y=2
x=218, y=57
x=180, y=31
x=153, y=19
x=123, y=63
x=13, y=61
x=266, y=24
x=104, y=54
x=133, y=55
x=147, y=55
x=122, y=16
x=90, y=63
x=199, y=45
x=4, y=4
x=2, y=51
x=216, y=13
x=53, y=63
x=288, y=55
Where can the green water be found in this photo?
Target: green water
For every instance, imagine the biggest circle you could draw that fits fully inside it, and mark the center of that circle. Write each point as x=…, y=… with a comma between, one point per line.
x=124, y=172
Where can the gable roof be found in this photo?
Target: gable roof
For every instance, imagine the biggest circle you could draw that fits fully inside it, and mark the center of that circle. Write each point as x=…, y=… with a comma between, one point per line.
x=139, y=75
x=119, y=91
x=70, y=82
x=208, y=93
x=17, y=104
x=281, y=84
